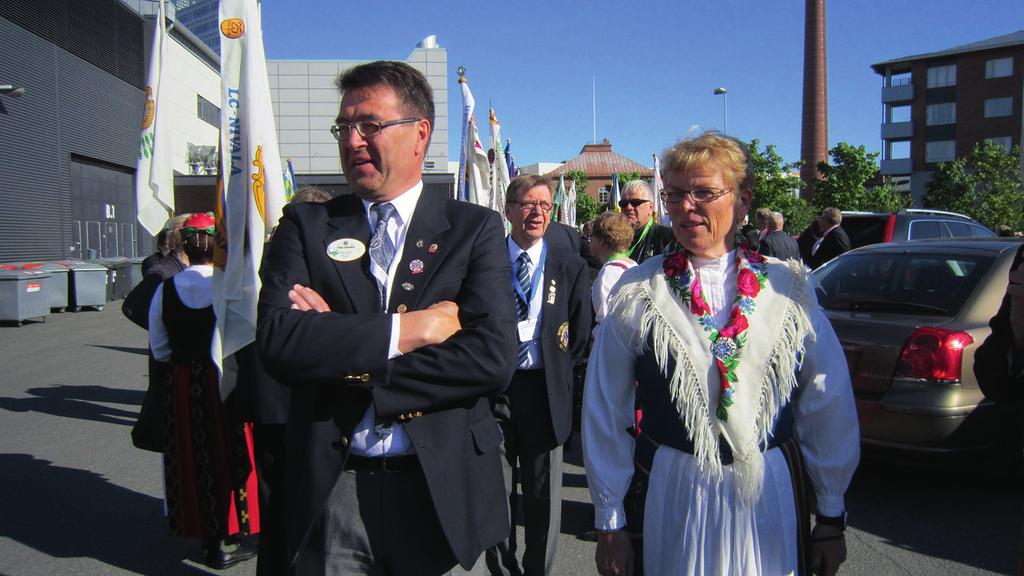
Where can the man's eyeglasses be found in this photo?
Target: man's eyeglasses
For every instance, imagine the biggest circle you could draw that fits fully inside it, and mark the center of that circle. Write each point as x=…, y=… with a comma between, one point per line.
x=366, y=128
x=634, y=202
x=696, y=195
x=529, y=207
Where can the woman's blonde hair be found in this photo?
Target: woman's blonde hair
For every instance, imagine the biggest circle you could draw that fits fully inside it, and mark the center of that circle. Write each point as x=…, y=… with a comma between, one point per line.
x=613, y=229
x=727, y=153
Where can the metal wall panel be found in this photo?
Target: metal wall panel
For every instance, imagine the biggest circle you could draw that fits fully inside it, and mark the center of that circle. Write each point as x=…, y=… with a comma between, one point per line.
x=71, y=107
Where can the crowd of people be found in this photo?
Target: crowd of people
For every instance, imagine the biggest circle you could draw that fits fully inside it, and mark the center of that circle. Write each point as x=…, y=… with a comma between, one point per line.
x=410, y=392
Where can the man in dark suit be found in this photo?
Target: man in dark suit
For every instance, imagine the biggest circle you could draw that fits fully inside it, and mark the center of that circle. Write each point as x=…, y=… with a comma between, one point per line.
x=999, y=361
x=776, y=242
x=389, y=313
x=649, y=238
x=552, y=299
x=833, y=240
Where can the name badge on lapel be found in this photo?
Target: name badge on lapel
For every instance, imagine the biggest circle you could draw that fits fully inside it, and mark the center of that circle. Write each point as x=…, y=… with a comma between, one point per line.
x=551, y=293
x=346, y=249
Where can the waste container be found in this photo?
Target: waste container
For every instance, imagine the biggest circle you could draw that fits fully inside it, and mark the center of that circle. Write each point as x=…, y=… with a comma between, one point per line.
x=21, y=294
x=135, y=271
x=87, y=284
x=55, y=285
x=118, y=275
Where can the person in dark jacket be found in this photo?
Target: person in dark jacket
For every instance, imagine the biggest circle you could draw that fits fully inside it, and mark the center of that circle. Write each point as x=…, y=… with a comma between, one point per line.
x=833, y=240
x=649, y=238
x=776, y=242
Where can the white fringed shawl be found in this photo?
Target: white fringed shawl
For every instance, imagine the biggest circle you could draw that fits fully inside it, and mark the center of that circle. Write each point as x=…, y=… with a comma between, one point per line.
x=768, y=364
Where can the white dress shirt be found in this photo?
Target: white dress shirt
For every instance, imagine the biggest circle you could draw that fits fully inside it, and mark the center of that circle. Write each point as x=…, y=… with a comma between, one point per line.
x=534, y=358
x=365, y=440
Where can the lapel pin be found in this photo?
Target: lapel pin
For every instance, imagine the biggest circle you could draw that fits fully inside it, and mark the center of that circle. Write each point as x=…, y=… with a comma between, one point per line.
x=419, y=243
x=402, y=308
x=432, y=248
x=407, y=286
x=416, y=266
x=551, y=293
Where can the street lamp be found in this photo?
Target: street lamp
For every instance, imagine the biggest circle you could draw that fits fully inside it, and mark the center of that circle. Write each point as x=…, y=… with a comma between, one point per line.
x=725, y=105
x=9, y=90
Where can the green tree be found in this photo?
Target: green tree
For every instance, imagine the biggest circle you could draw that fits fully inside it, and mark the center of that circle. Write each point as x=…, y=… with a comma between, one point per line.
x=777, y=187
x=625, y=177
x=843, y=183
x=987, y=186
x=586, y=207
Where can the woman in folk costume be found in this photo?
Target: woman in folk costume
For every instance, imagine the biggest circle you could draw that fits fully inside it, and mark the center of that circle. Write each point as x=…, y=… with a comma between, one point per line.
x=209, y=475
x=744, y=387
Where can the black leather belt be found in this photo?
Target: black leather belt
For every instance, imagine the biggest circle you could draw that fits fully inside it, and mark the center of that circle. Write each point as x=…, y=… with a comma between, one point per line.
x=382, y=464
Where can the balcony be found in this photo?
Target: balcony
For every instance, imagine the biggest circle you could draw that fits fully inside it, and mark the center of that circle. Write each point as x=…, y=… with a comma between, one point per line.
x=896, y=166
x=899, y=93
x=897, y=130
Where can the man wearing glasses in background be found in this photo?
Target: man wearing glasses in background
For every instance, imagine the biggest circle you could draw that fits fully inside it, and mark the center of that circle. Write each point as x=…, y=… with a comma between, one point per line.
x=389, y=312
x=552, y=301
x=649, y=238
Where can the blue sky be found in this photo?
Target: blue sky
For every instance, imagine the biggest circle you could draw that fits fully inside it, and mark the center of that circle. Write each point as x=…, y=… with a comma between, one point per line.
x=656, y=63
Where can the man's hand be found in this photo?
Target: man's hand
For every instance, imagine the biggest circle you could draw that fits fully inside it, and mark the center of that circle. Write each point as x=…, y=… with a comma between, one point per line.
x=431, y=326
x=1015, y=290
x=828, y=549
x=306, y=299
x=614, y=554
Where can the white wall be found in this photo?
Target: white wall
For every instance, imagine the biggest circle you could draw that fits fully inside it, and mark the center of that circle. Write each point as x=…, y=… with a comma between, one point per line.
x=306, y=101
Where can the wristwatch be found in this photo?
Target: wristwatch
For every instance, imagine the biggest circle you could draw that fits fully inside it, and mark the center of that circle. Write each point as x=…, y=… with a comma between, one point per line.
x=836, y=521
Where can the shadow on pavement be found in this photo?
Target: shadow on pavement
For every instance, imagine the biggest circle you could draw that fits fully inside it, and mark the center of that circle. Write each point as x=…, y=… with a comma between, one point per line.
x=128, y=349
x=82, y=402
x=67, y=513
x=970, y=515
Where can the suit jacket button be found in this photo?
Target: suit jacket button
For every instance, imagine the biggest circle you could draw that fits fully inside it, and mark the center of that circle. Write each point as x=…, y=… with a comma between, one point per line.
x=402, y=308
x=401, y=417
x=364, y=377
x=418, y=413
x=341, y=444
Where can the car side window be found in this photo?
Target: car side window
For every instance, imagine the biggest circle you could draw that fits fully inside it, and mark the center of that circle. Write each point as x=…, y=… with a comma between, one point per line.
x=981, y=231
x=924, y=229
x=959, y=229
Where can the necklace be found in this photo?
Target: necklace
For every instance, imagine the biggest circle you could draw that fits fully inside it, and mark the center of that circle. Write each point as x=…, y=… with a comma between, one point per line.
x=726, y=344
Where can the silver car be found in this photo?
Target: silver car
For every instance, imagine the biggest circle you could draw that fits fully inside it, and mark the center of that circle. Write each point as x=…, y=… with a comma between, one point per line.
x=910, y=316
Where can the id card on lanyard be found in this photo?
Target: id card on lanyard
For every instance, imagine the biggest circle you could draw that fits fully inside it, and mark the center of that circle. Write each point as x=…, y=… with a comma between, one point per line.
x=529, y=328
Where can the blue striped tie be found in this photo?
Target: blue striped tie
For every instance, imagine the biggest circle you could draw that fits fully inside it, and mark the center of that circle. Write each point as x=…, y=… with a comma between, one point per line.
x=382, y=249
x=523, y=306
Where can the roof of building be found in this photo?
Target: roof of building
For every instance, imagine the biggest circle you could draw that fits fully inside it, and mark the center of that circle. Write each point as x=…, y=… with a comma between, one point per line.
x=598, y=160
x=1011, y=39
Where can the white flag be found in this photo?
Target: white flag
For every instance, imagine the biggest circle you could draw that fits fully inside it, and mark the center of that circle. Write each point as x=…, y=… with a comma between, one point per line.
x=154, y=177
x=570, y=213
x=478, y=189
x=250, y=193
x=468, y=104
x=499, y=169
x=661, y=215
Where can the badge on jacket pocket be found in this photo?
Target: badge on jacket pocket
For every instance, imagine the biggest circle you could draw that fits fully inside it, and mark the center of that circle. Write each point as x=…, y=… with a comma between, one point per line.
x=563, y=336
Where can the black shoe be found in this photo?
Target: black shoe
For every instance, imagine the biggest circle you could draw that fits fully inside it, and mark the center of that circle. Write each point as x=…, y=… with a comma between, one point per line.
x=225, y=555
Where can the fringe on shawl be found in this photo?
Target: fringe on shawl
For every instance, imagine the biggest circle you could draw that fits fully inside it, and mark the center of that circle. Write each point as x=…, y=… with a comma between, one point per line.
x=686, y=388
x=777, y=385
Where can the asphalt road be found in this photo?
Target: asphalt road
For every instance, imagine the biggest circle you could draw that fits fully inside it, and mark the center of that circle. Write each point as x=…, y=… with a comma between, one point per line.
x=77, y=498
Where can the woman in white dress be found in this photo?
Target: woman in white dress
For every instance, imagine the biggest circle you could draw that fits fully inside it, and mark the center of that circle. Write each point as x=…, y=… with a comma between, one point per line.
x=610, y=237
x=744, y=389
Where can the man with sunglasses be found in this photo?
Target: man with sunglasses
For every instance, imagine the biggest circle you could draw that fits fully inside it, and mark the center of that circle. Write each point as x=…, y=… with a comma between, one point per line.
x=389, y=313
x=649, y=238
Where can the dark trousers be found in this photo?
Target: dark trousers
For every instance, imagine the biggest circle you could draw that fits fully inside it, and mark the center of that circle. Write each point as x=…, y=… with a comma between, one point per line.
x=531, y=459
x=379, y=523
x=269, y=449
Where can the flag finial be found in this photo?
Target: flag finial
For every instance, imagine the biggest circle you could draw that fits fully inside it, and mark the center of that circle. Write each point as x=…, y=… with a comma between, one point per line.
x=461, y=70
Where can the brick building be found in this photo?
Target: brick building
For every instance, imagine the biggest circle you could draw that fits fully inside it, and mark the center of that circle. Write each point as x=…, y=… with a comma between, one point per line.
x=599, y=162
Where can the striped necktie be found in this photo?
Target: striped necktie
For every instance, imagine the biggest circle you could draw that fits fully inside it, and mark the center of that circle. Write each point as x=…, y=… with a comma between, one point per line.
x=523, y=306
x=382, y=249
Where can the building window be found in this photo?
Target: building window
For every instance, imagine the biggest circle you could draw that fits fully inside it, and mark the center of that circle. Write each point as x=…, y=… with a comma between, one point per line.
x=944, y=113
x=602, y=195
x=940, y=151
x=998, y=107
x=999, y=67
x=940, y=76
x=900, y=114
x=1005, y=141
x=899, y=150
x=207, y=111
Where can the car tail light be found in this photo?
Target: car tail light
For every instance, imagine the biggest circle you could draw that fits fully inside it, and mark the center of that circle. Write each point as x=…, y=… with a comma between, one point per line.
x=933, y=354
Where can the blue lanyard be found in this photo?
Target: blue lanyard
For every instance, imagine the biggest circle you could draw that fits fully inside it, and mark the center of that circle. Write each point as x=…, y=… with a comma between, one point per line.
x=537, y=276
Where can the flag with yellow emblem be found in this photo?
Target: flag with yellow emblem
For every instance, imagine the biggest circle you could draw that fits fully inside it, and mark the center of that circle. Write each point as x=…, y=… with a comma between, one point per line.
x=250, y=190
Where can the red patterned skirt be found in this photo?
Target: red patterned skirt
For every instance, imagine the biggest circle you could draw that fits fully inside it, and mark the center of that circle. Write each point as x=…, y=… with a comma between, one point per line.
x=209, y=471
